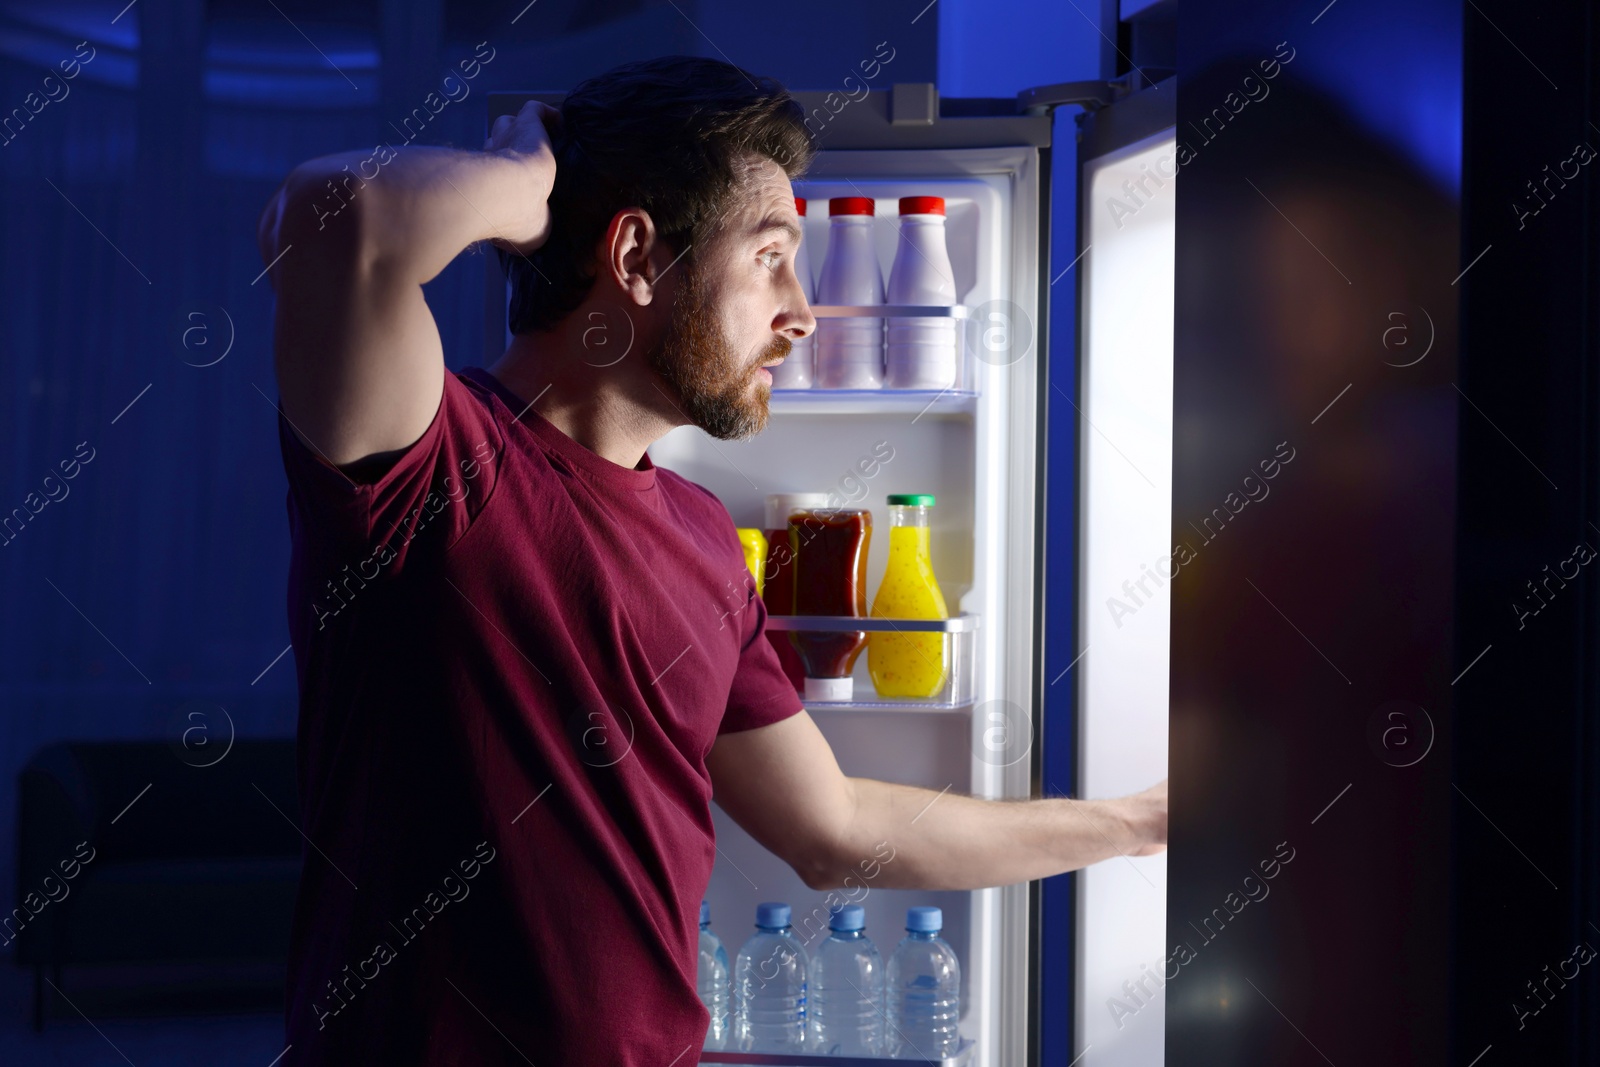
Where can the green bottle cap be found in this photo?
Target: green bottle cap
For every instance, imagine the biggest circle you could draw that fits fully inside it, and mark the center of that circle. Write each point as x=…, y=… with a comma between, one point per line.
x=913, y=499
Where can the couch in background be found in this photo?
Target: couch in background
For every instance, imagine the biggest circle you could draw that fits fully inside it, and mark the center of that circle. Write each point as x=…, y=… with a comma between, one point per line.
x=143, y=852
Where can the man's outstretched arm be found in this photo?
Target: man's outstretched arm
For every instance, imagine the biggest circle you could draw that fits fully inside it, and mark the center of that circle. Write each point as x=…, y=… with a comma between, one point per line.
x=782, y=784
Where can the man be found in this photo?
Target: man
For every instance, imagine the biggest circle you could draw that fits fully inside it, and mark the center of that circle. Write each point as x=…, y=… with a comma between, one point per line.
x=519, y=685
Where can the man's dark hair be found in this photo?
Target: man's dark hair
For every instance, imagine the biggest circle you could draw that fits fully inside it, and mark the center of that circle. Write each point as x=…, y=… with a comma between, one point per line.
x=665, y=135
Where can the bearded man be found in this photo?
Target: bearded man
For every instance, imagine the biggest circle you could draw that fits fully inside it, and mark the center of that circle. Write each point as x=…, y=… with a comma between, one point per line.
x=518, y=683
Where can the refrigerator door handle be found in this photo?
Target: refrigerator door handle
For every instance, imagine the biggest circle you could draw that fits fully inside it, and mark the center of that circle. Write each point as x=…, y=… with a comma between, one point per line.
x=1090, y=95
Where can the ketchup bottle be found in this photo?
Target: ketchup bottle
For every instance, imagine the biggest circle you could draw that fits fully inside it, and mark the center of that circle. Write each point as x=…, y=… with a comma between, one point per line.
x=830, y=578
x=778, y=590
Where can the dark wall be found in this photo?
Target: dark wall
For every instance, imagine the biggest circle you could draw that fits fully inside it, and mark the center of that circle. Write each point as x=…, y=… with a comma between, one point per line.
x=1315, y=473
x=150, y=585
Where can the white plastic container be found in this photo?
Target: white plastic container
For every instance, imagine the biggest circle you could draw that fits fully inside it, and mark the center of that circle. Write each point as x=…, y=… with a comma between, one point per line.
x=796, y=371
x=921, y=352
x=849, y=351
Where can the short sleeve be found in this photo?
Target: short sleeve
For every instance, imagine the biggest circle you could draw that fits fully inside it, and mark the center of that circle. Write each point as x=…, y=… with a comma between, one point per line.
x=762, y=693
x=424, y=501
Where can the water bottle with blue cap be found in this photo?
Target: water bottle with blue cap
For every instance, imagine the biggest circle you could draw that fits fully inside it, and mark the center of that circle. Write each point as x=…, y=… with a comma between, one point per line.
x=713, y=981
x=844, y=988
x=923, y=981
x=769, y=986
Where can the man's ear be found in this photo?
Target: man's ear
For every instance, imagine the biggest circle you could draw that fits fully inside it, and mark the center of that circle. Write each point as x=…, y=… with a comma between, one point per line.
x=629, y=253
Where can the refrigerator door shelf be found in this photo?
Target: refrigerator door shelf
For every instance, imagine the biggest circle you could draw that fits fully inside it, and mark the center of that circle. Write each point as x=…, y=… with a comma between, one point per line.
x=962, y=1058
x=963, y=384
x=914, y=402
x=903, y=705
x=964, y=623
x=889, y=311
x=959, y=651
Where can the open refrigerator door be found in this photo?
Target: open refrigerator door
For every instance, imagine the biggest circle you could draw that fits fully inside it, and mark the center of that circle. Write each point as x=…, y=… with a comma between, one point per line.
x=1127, y=561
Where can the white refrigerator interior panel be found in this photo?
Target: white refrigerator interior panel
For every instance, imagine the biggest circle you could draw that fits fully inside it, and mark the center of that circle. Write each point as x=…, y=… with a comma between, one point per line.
x=1126, y=531
x=977, y=455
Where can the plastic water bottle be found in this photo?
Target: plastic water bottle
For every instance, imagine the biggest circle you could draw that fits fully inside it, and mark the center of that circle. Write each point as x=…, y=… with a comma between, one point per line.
x=850, y=350
x=769, y=986
x=844, y=988
x=924, y=991
x=713, y=981
x=795, y=372
x=921, y=352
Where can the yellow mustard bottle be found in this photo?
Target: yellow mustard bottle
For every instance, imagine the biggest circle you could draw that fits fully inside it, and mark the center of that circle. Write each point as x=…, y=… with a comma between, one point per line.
x=908, y=664
x=755, y=554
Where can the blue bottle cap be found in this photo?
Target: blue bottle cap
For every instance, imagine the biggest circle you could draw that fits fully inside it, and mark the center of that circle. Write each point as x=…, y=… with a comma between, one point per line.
x=705, y=912
x=924, y=920
x=772, y=915
x=845, y=917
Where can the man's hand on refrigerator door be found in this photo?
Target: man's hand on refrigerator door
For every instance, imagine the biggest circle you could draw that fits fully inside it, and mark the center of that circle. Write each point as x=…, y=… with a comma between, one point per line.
x=525, y=136
x=1147, y=818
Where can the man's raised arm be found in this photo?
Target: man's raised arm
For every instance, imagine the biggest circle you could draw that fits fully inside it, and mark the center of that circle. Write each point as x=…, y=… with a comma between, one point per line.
x=351, y=238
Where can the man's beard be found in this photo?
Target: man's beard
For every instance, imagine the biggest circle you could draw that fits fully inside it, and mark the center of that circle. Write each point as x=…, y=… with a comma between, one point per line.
x=711, y=379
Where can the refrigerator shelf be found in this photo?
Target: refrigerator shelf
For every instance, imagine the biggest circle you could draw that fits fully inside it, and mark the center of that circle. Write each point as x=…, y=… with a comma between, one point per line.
x=960, y=385
x=872, y=401
x=876, y=703
x=962, y=1057
x=958, y=645
x=963, y=623
x=890, y=311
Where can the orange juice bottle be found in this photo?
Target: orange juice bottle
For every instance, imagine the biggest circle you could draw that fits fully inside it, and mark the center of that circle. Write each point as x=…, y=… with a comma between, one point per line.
x=908, y=664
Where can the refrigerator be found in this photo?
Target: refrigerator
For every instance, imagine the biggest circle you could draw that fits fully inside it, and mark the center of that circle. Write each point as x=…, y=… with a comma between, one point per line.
x=981, y=448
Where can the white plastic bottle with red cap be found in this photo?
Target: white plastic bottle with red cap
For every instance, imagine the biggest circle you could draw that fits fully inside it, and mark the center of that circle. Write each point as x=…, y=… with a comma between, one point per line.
x=921, y=352
x=849, y=351
x=795, y=372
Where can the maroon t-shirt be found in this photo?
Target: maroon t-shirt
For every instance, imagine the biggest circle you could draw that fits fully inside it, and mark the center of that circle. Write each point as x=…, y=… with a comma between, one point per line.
x=513, y=656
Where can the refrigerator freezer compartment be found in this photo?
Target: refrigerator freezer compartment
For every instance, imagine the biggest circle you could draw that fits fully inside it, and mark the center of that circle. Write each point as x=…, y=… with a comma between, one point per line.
x=962, y=1057
x=959, y=649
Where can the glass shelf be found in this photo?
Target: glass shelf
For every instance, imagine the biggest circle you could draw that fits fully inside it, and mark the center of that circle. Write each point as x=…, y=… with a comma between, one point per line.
x=833, y=624
x=962, y=1058
x=898, y=705
x=959, y=643
x=889, y=311
x=913, y=402
x=957, y=399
